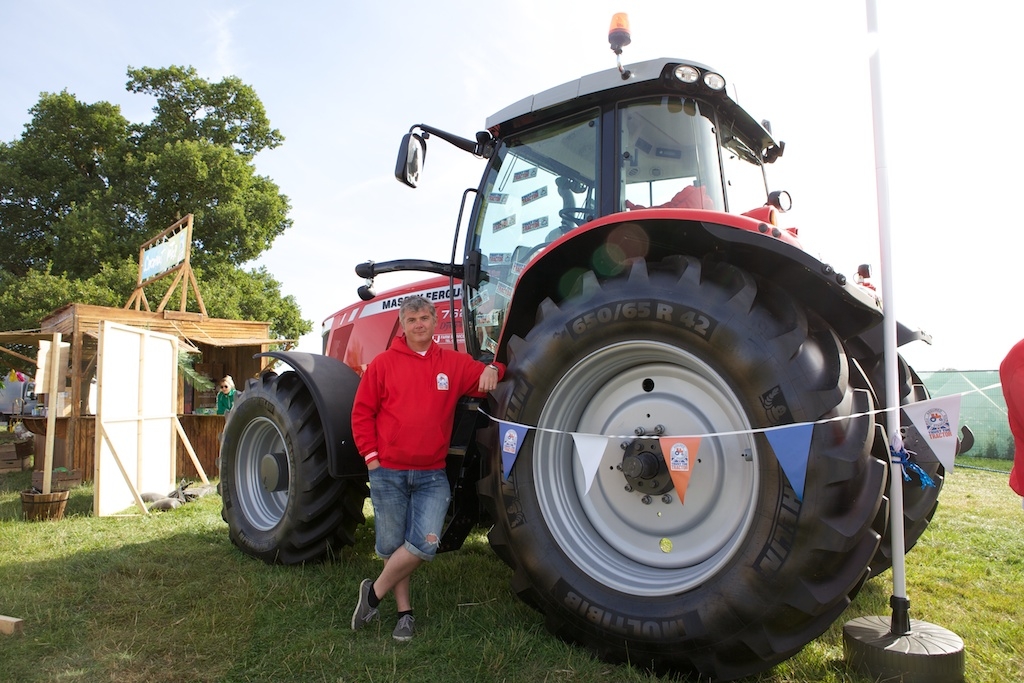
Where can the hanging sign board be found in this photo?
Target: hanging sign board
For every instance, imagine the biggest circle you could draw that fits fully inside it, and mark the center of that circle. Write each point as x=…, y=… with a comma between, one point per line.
x=164, y=255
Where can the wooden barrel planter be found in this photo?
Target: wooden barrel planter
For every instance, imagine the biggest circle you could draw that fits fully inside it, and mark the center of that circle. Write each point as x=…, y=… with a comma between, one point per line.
x=42, y=506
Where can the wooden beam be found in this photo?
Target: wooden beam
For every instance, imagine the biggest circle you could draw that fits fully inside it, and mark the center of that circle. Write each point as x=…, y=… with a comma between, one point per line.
x=170, y=290
x=195, y=288
x=10, y=625
x=187, y=315
x=17, y=355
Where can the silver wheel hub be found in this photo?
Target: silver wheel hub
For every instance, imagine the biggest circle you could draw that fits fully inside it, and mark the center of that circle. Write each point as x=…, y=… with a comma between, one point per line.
x=632, y=530
x=262, y=474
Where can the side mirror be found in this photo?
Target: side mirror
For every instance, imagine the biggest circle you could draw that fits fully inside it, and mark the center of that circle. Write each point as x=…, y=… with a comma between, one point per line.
x=411, y=156
x=781, y=200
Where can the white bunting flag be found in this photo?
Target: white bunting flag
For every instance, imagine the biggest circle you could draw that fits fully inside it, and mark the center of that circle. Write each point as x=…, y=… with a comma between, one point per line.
x=938, y=421
x=590, y=451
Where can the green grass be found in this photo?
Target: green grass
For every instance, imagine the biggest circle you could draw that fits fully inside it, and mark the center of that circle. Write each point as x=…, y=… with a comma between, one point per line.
x=167, y=597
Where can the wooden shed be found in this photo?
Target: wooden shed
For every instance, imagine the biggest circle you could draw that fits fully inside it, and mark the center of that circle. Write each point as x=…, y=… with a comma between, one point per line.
x=227, y=347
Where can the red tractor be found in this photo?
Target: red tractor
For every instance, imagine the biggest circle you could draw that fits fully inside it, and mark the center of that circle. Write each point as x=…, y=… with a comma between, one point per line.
x=623, y=257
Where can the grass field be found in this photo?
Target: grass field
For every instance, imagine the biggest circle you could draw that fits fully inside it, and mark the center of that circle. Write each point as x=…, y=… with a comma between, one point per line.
x=167, y=597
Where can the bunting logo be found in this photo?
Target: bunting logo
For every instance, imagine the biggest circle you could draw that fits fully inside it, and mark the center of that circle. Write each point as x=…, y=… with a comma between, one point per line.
x=442, y=382
x=937, y=424
x=680, y=458
x=510, y=443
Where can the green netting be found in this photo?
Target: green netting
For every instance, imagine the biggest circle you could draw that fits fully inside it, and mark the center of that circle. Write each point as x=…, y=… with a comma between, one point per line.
x=982, y=408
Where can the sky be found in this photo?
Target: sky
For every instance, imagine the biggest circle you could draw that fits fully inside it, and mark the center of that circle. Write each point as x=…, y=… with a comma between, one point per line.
x=343, y=81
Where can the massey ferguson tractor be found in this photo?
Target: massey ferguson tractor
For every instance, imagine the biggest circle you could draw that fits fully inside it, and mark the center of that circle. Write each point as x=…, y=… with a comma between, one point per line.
x=624, y=258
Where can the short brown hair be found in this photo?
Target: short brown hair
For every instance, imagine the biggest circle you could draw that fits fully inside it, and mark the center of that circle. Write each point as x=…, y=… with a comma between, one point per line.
x=411, y=304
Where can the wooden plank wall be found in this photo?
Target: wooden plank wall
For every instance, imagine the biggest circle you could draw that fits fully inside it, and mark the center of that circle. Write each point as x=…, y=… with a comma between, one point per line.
x=83, y=455
x=236, y=361
x=204, y=434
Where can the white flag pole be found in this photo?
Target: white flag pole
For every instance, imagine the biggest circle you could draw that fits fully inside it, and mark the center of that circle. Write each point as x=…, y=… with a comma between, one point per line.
x=899, y=602
x=911, y=650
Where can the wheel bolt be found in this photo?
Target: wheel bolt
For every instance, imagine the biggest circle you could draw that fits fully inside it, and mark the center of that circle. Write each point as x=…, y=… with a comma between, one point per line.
x=628, y=488
x=639, y=431
x=646, y=500
x=666, y=499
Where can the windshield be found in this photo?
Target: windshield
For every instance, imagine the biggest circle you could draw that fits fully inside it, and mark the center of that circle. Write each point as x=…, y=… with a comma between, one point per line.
x=669, y=155
x=670, y=159
x=539, y=186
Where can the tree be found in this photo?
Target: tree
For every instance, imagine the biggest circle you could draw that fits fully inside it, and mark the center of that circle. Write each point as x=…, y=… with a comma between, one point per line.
x=83, y=188
x=57, y=171
x=226, y=114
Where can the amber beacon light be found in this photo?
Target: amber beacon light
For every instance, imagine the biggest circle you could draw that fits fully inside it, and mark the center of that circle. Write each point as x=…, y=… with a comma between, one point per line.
x=618, y=38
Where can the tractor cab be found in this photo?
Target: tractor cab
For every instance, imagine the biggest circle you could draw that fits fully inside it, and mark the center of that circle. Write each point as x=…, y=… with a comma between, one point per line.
x=665, y=136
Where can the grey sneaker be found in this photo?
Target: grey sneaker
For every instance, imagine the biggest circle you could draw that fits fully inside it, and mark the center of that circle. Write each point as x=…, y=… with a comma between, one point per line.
x=364, y=614
x=405, y=628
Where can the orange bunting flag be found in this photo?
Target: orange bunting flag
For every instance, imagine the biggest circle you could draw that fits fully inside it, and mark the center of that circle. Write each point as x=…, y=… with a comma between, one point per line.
x=680, y=456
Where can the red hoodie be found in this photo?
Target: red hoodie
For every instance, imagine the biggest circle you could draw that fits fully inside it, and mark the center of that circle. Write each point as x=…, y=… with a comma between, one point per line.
x=1011, y=375
x=405, y=405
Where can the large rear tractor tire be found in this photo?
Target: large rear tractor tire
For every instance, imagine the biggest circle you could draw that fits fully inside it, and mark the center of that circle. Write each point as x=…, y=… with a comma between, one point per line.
x=744, y=573
x=280, y=502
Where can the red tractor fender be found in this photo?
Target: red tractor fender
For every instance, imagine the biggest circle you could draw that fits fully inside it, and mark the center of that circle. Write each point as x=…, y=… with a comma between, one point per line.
x=607, y=246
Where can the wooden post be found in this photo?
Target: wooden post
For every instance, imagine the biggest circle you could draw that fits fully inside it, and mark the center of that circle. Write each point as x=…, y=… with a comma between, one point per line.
x=51, y=411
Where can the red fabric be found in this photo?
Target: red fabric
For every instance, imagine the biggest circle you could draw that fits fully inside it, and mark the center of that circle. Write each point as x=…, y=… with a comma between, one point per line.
x=1011, y=375
x=690, y=197
x=405, y=405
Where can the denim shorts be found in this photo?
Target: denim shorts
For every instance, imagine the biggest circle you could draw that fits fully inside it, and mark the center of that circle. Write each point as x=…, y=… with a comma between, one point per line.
x=409, y=507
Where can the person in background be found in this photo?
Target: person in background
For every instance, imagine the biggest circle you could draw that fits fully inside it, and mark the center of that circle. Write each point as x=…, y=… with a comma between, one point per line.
x=1011, y=375
x=402, y=422
x=226, y=395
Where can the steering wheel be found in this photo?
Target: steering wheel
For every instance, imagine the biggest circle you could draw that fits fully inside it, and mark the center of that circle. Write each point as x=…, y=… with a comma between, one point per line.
x=578, y=215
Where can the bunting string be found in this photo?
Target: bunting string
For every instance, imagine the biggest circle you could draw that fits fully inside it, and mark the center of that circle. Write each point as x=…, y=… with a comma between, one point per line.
x=937, y=421
x=756, y=430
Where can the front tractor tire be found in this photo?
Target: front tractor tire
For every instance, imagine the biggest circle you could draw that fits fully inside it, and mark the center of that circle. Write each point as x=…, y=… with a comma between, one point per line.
x=744, y=573
x=280, y=502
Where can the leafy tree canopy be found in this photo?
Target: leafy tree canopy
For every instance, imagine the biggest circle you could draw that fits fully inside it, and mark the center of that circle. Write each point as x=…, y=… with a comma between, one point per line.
x=83, y=188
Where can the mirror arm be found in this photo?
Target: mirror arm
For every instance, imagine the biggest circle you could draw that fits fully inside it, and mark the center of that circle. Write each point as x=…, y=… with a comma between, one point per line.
x=479, y=147
x=369, y=270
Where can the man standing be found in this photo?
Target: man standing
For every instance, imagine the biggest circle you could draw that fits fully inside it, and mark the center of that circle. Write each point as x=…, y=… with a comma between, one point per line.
x=402, y=422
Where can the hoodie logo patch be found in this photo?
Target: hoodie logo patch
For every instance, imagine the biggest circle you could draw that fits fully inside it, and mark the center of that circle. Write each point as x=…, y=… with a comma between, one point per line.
x=442, y=382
